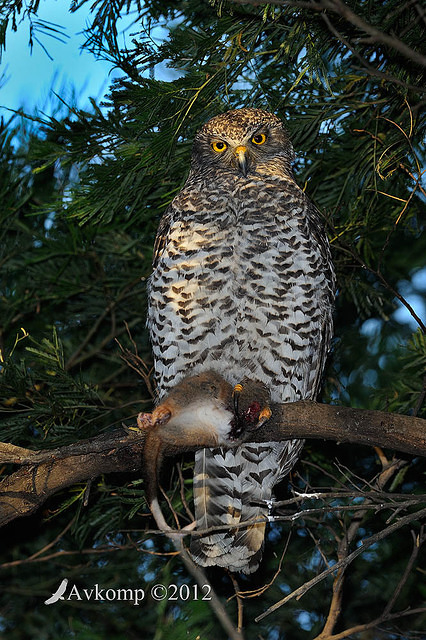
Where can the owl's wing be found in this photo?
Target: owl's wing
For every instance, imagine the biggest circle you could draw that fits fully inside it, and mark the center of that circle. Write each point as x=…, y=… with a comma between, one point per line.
x=162, y=235
x=322, y=347
x=234, y=487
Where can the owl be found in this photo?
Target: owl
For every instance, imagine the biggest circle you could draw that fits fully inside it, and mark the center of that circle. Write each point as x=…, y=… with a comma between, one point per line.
x=242, y=285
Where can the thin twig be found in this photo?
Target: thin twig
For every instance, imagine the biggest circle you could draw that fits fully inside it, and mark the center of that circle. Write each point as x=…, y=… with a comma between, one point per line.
x=366, y=543
x=240, y=604
x=216, y=605
x=135, y=362
x=182, y=494
x=380, y=277
x=255, y=593
x=378, y=36
x=366, y=66
x=61, y=554
x=417, y=543
x=388, y=470
x=348, y=633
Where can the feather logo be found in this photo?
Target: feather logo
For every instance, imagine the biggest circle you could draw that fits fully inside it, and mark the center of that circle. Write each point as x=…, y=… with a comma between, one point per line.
x=59, y=593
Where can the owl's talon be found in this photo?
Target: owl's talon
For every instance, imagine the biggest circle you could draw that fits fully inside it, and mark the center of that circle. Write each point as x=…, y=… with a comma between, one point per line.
x=254, y=415
x=264, y=416
x=236, y=397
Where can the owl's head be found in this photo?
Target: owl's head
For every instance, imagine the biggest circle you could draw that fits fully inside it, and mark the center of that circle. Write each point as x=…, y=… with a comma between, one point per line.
x=243, y=141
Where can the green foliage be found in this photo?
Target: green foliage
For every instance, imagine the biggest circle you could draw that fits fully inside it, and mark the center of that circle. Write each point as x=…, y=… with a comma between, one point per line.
x=81, y=194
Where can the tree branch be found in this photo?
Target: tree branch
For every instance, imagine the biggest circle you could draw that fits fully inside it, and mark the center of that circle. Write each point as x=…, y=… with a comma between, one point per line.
x=43, y=473
x=199, y=575
x=306, y=419
x=366, y=543
x=343, y=10
x=339, y=7
x=365, y=65
x=388, y=471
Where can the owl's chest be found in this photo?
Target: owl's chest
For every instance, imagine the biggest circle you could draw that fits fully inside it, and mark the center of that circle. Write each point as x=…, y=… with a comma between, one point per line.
x=234, y=233
x=241, y=280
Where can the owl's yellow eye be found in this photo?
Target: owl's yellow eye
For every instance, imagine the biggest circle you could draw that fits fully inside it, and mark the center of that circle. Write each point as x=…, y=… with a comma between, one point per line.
x=259, y=138
x=219, y=146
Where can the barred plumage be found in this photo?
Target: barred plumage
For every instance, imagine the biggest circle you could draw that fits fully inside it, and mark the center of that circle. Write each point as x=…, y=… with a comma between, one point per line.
x=243, y=284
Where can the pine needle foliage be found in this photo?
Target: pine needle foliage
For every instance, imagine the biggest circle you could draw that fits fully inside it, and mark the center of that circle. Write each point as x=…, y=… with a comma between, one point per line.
x=81, y=195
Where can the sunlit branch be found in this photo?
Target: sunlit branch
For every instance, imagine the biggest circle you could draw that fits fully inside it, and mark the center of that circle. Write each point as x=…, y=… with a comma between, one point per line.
x=43, y=473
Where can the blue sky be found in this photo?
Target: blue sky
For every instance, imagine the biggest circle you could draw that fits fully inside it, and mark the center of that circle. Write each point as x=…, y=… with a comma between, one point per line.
x=28, y=77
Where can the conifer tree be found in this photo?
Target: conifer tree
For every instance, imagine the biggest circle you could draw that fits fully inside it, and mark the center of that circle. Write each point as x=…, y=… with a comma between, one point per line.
x=81, y=194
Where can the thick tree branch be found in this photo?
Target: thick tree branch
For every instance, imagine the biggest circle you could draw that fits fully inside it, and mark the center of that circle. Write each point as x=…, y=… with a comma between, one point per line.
x=307, y=419
x=46, y=472
x=43, y=473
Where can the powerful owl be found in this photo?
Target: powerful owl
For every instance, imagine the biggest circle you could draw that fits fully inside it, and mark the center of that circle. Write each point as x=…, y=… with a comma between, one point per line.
x=242, y=285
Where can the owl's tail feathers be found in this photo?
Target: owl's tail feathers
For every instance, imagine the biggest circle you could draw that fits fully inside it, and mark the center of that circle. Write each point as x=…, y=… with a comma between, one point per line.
x=232, y=488
x=244, y=555
x=218, y=505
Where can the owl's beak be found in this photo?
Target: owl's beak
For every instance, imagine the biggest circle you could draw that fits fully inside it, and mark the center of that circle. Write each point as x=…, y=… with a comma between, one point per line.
x=242, y=161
